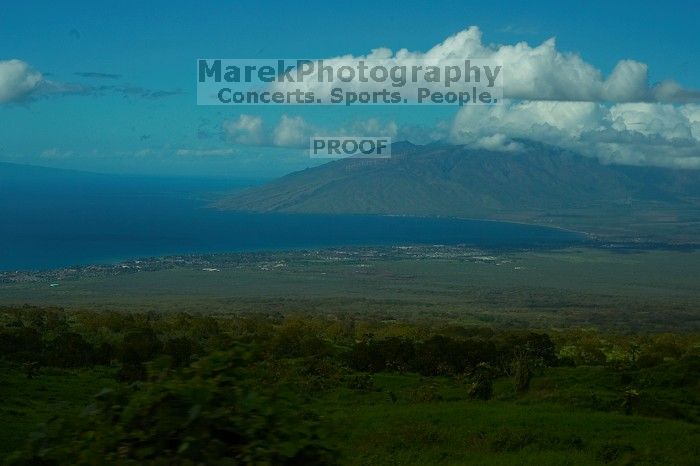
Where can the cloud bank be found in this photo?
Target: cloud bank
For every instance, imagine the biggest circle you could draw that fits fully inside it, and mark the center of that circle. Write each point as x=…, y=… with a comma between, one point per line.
x=558, y=98
x=541, y=72
x=295, y=131
x=628, y=133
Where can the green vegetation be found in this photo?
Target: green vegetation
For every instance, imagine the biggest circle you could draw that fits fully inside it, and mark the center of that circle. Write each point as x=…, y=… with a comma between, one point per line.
x=82, y=387
x=620, y=290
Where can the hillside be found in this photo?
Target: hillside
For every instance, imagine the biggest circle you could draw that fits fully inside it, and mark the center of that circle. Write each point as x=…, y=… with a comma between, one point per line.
x=543, y=185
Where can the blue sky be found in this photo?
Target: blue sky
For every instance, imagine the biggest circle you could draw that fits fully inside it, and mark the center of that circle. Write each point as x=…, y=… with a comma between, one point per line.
x=145, y=119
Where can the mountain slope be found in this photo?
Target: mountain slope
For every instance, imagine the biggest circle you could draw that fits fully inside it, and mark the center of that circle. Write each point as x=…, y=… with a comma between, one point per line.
x=542, y=185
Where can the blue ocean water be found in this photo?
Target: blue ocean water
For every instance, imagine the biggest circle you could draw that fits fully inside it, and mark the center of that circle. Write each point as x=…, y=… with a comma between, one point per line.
x=51, y=220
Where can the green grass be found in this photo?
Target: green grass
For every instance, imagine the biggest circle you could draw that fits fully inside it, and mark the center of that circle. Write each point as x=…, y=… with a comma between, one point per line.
x=27, y=403
x=461, y=432
x=370, y=428
x=600, y=388
x=569, y=416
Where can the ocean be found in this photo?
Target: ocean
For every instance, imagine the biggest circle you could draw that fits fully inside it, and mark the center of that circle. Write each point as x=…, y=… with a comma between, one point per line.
x=52, y=219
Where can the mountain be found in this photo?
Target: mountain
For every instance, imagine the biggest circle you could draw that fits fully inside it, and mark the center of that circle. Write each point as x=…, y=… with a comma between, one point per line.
x=541, y=185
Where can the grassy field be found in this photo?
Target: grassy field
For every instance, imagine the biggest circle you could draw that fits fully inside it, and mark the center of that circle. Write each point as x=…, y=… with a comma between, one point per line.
x=406, y=419
x=28, y=403
x=438, y=426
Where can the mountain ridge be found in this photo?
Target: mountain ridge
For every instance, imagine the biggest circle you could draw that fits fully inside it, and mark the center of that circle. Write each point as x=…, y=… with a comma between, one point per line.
x=542, y=185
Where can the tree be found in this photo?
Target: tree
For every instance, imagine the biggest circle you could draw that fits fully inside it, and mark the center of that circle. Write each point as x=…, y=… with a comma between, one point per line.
x=69, y=349
x=482, y=382
x=522, y=370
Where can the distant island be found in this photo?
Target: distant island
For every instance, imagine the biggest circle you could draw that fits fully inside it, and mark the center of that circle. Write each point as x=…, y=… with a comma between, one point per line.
x=543, y=185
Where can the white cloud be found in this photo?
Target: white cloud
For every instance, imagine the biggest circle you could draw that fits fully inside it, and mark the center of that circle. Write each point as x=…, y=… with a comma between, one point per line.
x=371, y=127
x=205, y=152
x=295, y=131
x=540, y=72
x=558, y=98
x=522, y=119
x=247, y=130
x=627, y=133
x=627, y=83
x=55, y=153
x=292, y=132
x=498, y=142
x=667, y=121
x=17, y=81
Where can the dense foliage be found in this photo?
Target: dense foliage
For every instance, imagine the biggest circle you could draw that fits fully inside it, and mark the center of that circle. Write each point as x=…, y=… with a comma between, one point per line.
x=213, y=412
x=235, y=389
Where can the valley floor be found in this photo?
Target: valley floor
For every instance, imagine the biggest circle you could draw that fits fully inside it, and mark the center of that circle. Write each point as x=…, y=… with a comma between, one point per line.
x=623, y=289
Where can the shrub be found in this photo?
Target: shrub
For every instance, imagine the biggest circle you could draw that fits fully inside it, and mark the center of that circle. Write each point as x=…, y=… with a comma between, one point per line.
x=426, y=392
x=522, y=368
x=23, y=344
x=611, y=452
x=139, y=346
x=295, y=339
x=69, y=350
x=180, y=349
x=314, y=374
x=366, y=357
x=210, y=413
x=482, y=382
x=361, y=382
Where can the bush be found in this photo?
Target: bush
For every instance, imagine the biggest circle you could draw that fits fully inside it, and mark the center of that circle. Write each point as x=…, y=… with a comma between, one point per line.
x=318, y=373
x=296, y=338
x=69, y=350
x=210, y=413
x=361, y=382
x=522, y=368
x=23, y=344
x=180, y=349
x=426, y=392
x=482, y=382
x=136, y=348
x=139, y=346
x=366, y=356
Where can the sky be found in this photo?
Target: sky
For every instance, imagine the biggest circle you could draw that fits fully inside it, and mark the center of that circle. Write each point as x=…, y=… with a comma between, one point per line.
x=111, y=86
